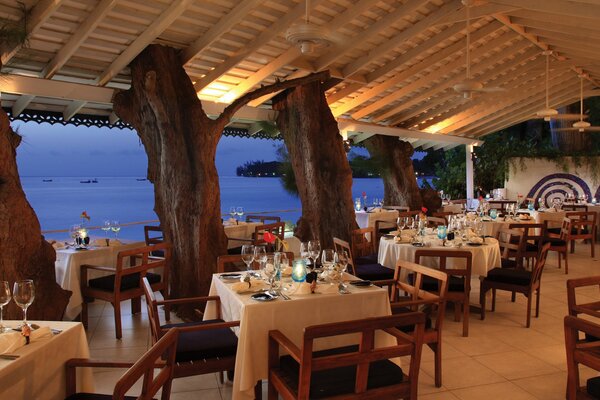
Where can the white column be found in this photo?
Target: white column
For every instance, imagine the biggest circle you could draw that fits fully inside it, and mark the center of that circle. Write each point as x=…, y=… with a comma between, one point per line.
x=469, y=164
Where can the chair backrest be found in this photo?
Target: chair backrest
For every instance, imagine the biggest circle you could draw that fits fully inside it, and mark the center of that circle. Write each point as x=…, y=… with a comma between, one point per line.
x=153, y=235
x=575, y=207
x=163, y=350
x=408, y=213
x=510, y=242
x=579, y=353
x=444, y=256
x=565, y=228
x=418, y=298
x=363, y=242
x=532, y=233
x=434, y=222
x=263, y=219
x=582, y=222
x=276, y=228
x=397, y=208
x=141, y=260
x=500, y=204
x=234, y=262
x=590, y=308
x=407, y=345
x=538, y=268
x=342, y=245
x=152, y=306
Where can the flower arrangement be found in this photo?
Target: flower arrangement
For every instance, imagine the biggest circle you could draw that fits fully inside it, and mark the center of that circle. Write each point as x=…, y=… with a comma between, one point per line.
x=84, y=215
x=275, y=240
x=423, y=213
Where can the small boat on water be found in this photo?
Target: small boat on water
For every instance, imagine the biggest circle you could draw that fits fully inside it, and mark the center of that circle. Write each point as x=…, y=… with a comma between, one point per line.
x=94, y=180
x=46, y=180
x=86, y=181
x=140, y=179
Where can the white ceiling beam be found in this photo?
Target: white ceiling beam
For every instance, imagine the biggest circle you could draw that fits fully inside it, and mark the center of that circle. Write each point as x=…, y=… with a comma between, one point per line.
x=36, y=17
x=225, y=24
x=25, y=85
x=428, y=145
x=421, y=142
x=113, y=118
x=72, y=109
x=360, y=137
x=266, y=36
x=80, y=35
x=21, y=104
x=344, y=92
x=157, y=27
x=383, y=23
x=246, y=113
x=399, y=39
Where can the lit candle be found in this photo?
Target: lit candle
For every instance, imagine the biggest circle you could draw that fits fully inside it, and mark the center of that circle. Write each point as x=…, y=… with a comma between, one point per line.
x=299, y=270
x=593, y=200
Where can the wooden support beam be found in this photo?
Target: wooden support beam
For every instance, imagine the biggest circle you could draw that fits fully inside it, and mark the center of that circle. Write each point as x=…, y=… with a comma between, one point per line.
x=144, y=39
x=80, y=35
x=557, y=7
x=25, y=85
x=73, y=109
x=21, y=104
x=344, y=92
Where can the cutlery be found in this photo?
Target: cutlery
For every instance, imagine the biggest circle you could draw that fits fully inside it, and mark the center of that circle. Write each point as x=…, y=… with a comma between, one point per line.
x=342, y=289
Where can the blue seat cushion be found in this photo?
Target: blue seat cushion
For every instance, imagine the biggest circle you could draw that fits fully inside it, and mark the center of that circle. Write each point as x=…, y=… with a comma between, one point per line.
x=205, y=344
x=405, y=310
x=593, y=387
x=509, y=275
x=456, y=284
x=131, y=281
x=584, y=231
x=368, y=259
x=374, y=272
x=338, y=381
x=235, y=250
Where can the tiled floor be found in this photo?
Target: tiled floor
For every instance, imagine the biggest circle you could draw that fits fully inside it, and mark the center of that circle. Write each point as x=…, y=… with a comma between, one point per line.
x=501, y=359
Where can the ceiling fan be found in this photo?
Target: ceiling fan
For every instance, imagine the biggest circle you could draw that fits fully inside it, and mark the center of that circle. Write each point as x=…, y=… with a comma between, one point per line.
x=308, y=37
x=470, y=85
x=581, y=125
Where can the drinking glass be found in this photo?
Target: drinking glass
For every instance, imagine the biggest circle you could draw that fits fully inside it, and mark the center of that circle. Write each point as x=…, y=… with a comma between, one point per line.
x=232, y=212
x=304, y=252
x=4, y=300
x=269, y=271
x=328, y=260
x=281, y=263
x=442, y=232
x=115, y=227
x=260, y=254
x=493, y=213
x=239, y=211
x=342, y=259
x=23, y=295
x=248, y=256
x=74, y=232
x=401, y=223
x=106, y=227
x=314, y=248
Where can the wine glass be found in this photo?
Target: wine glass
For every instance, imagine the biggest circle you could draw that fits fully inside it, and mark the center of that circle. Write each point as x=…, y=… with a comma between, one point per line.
x=269, y=271
x=401, y=223
x=260, y=255
x=23, y=295
x=239, y=211
x=232, y=212
x=314, y=248
x=74, y=232
x=115, y=227
x=248, y=256
x=4, y=300
x=342, y=259
x=106, y=227
x=304, y=252
x=327, y=260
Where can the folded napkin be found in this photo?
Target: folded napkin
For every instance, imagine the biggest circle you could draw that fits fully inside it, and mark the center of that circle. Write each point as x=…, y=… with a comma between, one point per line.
x=115, y=242
x=402, y=239
x=475, y=239
x=12, y=341
x=304, y=288
x=58, y=245
x=252, y=286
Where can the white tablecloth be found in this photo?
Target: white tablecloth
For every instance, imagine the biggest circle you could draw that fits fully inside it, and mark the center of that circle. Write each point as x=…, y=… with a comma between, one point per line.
x=491, y=227
x=453, y=208
x=39, y=372
x=367, y=219
x=485, y=257
x=68, y=269
x=243, y=230
x=290, y=317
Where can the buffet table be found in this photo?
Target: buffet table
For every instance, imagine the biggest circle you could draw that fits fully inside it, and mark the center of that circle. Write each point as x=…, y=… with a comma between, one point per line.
x=290, y=317
x=39, y=371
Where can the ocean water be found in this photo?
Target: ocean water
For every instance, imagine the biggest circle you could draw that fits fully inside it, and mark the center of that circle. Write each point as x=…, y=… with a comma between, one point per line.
x=58, y=204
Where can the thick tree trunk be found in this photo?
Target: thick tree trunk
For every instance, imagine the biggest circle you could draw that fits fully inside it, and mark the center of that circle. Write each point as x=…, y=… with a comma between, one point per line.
x=399, y=182
x=321, y=168
x=181, y=142
x=24, y=254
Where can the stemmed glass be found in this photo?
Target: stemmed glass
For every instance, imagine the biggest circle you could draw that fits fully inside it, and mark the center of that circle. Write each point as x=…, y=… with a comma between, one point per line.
x=232, y=212
x=248, y=256
x=106, y=227
x=401, y=223
x=74, y=232
x=260, y=255
x=115, y=227
x=304, y=252
x=240, y=212
x=314, y=248
x=328, y=260
x=341, y=259
x=269, y=271
x=23, y=295
x=4, y=300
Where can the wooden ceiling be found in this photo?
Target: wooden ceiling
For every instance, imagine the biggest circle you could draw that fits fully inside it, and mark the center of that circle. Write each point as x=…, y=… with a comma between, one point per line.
x=394, y=62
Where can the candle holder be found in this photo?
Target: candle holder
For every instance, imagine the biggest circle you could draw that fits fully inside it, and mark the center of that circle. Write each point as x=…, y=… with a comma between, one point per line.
x=299, y=271
x=82, y=240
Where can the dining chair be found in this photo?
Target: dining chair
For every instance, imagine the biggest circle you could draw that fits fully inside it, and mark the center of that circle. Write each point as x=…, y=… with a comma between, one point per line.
x=459, y=279
x=160, y=356
x=263, y=219
x=154, y=235
x=588, y=308
x=510, y=244
x=583, y=227
x=370, y=272
x=515, y=280
x=444, y=214
x=124, y=282
x=234, y=262
x=363, y=245
x=383, y=227
x=534, y=235
x=434, y=222
x=581, y=353
x=560, y=242
x=410, y=294
x=276, y=228
x=204, y=346
x=575, y=207
x=397, y=208
x=360, y=371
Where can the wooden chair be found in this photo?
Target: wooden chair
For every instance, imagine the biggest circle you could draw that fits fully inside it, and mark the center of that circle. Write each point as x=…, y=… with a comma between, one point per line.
x=434, y=222
x=510, y=243
x=363, y=246
x=584, y=353
x=397, y=208
x=501, y=205
x=352, y=372
x=575, y=207
x=444, y=214
x=515, y=281
x=203, y=347
x=531, y=242
x=371, y=272
x=560, y=242
x=276, y=228
x=589, y=308
x=583, y=226
x=234, y=262
x=416, y=297
x=459, y=279
x=125, y=281
x=154, y=235
x=160, y=355
x=263, y=219
x=383, y=227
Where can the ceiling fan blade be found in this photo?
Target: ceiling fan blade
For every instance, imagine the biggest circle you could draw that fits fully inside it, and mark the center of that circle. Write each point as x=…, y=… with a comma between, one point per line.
x=492, y=89
x=569, y=117
x=592, y=129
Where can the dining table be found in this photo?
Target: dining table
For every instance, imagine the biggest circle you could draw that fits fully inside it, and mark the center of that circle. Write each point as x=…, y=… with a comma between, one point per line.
x=239, y=230
x=486, y=255
x=366, y=219
x=290, y=317
x=38, y=369
x=492, y=226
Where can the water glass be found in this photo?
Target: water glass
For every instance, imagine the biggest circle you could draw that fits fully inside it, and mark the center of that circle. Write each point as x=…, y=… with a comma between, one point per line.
x=401, y=223
x=115, y=227
x=493, y=213
x=314, y=248
x=269, y=271
x=304, y=252
x=23, y=295
x=106, y=227
x=342, y=258
x=328, y=259
x=232, y=212
x=240, y=212
x=248, y=256
x=4, y=300
x=260, y=254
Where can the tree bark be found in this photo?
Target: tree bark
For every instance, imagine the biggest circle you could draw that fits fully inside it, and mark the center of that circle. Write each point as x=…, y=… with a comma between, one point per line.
x=181, y=142
x=24, y=253
x=321, y=168
x=399, y=182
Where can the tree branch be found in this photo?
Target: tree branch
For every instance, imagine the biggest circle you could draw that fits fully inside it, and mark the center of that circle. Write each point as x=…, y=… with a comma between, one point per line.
x=231, y=109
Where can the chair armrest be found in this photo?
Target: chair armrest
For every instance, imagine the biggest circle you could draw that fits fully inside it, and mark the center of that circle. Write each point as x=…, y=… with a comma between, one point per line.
x=98, y=268
x=204, y=327
x=72, y=365
x=409, y=303
x=239, y=239
x=188, y=300
x=384, y=282
x=286, y=343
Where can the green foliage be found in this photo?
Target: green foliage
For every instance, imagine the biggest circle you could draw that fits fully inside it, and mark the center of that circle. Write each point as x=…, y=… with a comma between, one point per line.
x=14, y=32
x=450, y=172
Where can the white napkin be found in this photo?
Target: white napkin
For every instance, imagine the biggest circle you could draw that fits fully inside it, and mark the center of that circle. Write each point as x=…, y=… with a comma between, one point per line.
x=304, y=288
x=252, y=286
x=476, y=239
x=58, y=245
x=115, y=242
x=12, y=341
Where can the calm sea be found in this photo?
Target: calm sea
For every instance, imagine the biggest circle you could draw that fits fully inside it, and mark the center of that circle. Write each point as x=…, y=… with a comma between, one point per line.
x=59, y=203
